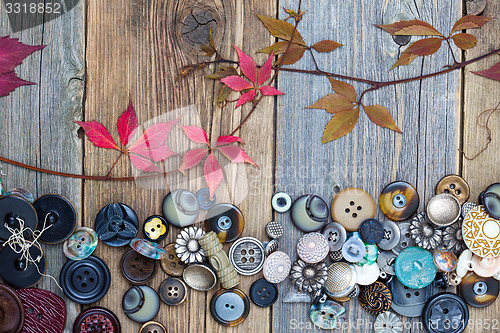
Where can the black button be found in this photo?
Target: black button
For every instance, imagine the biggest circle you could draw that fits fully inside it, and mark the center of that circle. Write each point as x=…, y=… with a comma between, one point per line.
x=155, y=228
x=85, y=281
x=136, y=268
x=11, y=310
x=153, y=327
x=44, y=311
x=229, y=307
x=371, y=231
x=263, y=293
x=18, y=272
x=445, y=313
x=478, y=291
x=97, y=320
x=59, y=213
x=116, y=224
x=226, y=221
x=14, y=207
x=173, y=291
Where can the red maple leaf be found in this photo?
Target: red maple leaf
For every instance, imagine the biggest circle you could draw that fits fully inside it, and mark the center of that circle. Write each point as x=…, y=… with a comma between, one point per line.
x=150, y=147
x=211, y=168
x=249, y=70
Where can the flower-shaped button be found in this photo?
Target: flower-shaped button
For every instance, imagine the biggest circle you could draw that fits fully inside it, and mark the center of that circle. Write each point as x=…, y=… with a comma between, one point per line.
x=155, y=228
x=308, y=277
x=187, y=245
x=116, y=224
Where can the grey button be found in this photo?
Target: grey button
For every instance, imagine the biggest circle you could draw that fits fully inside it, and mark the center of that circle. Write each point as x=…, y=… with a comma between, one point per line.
x=409, y=302
x=467, y=207
x=391, y=235
x=274, y=229
x=229, y=307
x=247, y=255
x=281, y=202
x=386, y=261
x=204, y=200
x=353, y=249
x=335, y=234
x=271, y=247
x=405, y=239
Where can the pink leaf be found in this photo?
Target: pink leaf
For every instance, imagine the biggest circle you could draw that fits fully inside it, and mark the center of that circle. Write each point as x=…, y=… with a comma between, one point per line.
x=491, y=73
x=248, y=96
x=127, y=124
x=212, y=173
x=265, y=71
x=9, y=82
x=192, y=158
x=144, y=164
x=237, y=83
x=159, y=153
x=13, y=52
x=226, y=139
x=270, y=91
x=247, y=65
x=98, y=134
x=235, y=154
x=153, y=136
x=196, y=134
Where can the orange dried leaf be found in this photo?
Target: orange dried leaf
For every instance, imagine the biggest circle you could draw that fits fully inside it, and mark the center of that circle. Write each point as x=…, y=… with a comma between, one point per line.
x=470, y=22
x=281, y=29
x=277, y=48
x=294, y=54
x=405, y=59
x=343, y=88
x=410, y=28
x=332, y=103
x=425, y=46
x=381, y=116
x=341, y=124
x=326, y=46
x=464, y=41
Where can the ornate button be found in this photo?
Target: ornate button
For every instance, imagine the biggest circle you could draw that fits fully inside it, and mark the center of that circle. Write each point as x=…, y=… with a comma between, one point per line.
x=454, y=185
x=13, y=208
x=274, y=229
x=426, y=234
x=409, y=302
x=85, y=281
x=481, y=233
x=388, y=322
x=43, y=310
x=390, y=237
x=445, y=261
x=452, y=237
x=116, y=224
x=443, y=210
x=375, y=298
x=453, y=279
x=309, y=213
x=312, y=247
x=181, y=208
x=336, y=255
x=367, y=274
x=415, y=267
x=464, y=263
x=399, y=200
x=341, y=279
x=187, y=245
x=57, y=212
x=478, y=291
x=335, y=234
x=81, y=244
x=281, y=202
x=11, y=310
x=263, y=293
x=141, y=303
x=155, y=228
x=173, y=291
x=203, y=197
x=17, y=272
x=247, y=255
x=386, y=261
x=153, y=327
x=371, y=231
x=147, y=248
x=226, y=221
x=353, y=249
x=270, y=247
x=229, y=307
x=405, y=240
x=491, y=200
x=136, y=268
x=91, y=318
x=467, y=207
x=444, y=313
x=199, y=276
x=308, y=277
x=352, y=206
x=277, y=267
x=327, y=315
x=171, y=264
x=485, y=267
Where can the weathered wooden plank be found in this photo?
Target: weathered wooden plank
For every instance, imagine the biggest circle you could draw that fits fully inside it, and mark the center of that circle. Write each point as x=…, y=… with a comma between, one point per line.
x=369, y=157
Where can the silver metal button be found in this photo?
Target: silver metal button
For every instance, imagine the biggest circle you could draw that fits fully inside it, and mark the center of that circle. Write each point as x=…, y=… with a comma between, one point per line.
x=391, y=235
x=386, y=261
x=335, y=234
x=247, y=255
x=274, y=229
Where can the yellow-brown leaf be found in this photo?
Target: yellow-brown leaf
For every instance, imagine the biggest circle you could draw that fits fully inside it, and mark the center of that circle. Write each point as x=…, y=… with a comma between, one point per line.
x=470, y=22
x=278, y=48
x=425, y=46
x=326, y=46
x=410, y=28
x=381, y=116
x=405, y=59
x=344, y=89
x=332, y=103
x=464, y=41
x=340, y=124
x=294, y=54
x=281, y=29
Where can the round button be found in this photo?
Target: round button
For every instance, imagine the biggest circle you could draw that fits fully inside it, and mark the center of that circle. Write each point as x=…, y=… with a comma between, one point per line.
x=136, y=268
x=203, y=197
x=57, y=212
x=247, y=255
x=181, y=208
x=371, y=231
x=308, y=277
x=340, y=280
x=153, y=327
x=367, y=274
x=199, y=276
x=415, y=267
x=353, y=249
x=443, y=210
x=491, y=200
x=19, y=273
x=481, y=233
x=405, y=239
x=11, y=310
x=327, y=315
x=352, y=206
x=399, y=200
x=409, y=302
x=13, y=208
x=91, y=318
x=81, y=244
x=312, y=247
x=454, y=185
x=187, y=245
x=229, y=307
x=155, y=228
x=446, y=313
x=44, y=311
x=375, y=298
x=478, y=291
x=116, y=224
x=426, y=234
x=171, y=264
x=388, y=322
x=281, y=202
x=85, y=281
x=309, y=213
x=270, y=247
x=386, y=261
x=390, y=237
x=335, y=234
x=263, y=293
x=173, y=291
x=485, y=267
x=467, y=207
x=274, y=229
x=226, y=220
x=147, y=248
x=141, y=303
x=445, y=261
x=277, y=267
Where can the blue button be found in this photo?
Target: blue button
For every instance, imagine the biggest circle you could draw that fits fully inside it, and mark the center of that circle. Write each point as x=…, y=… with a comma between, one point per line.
x=415, y=267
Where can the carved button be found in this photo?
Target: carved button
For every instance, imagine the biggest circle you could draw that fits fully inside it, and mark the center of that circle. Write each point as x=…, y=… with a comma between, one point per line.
x=17, y=272
x=367, y=274
x=481, y=233
x=116, y=224
x=454, y=185
x=399, y=200
x=203, y=197
x=405, y=240
x=443, y=210
x=181, y=208
x=309, y=213
x=274, y=229
x=485, y=267
x=155, y=228
x=247, y=255
x=375, y=298
x=44, y=311
x=187, y=245
x=11, y=310
x=277, y=267
x=491, y=200
x=171, y=264
x=263, y=293
x=390, y=237
x=335, y=234
x=57, y=212
x=388, y=322
x=478, y=291
x=327, y=315
x=353, y=249
x=312, y=247
x=141, y=303
x=147, y=248
x=464, y=263
x=199, y=276
x=281, y=202
x=90, y=319
x=445, y=261
x=136, y=268
x=415, y=267
x=173, y=291
x=226, y=220
x=386, y=261
x=409, y=302
x=81, y=244
x=446, y=313
x=13, y=208
x=352, y=206
x=371, y=231
x=341, y=279
x=229, y=307
x=85, y=281
x=153, y=327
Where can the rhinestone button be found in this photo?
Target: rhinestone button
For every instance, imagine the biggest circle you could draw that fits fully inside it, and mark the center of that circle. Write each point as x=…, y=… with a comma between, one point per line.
x=247, y=255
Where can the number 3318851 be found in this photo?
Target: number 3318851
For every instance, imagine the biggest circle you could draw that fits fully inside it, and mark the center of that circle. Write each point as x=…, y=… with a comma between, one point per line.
x=33, y=8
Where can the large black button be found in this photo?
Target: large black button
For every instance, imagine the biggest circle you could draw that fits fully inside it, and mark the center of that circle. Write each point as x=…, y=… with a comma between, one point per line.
x=116, y=224
x=97, y=320
x=11, y=310
x=229, y=307
x=446, y=313
x=13, y=208
x=136, y=268
x=57, y=212
x=85, y=281
x=263, y=293
x=226, y=220
x=173, y=291
x=18, y=272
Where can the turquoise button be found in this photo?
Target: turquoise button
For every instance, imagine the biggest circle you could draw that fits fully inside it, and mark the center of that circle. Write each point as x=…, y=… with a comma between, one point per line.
x=415, y=267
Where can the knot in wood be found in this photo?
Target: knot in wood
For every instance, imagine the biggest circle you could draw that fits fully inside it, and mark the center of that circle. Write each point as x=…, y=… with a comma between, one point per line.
x=197, y=25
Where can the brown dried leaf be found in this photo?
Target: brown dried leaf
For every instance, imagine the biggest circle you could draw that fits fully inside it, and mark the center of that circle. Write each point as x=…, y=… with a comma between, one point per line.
x=381, y=116
x=222, y=73
x=209, y=50
x=464, y=41
x=344, y=89
x=278, y=48
x=491, y=73
x=425, y=46
x=281, y=29
x=410, y=28
x=224, y=93
x=332, y=103
x=326, y=46
x=341, y=124
x=470, y=22
x=405, y=59
x=294, y=54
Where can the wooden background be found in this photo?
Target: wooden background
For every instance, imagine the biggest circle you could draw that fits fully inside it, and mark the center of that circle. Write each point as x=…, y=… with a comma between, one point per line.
x=103, y=52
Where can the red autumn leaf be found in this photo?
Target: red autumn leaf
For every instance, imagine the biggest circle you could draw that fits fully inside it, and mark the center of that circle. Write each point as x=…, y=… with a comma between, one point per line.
x=270, y=91
x=127, y=124
x=381, y=116
x=227, y=139
x=236, y=154
x=341, y=124
x=295, y=53
x=425, y=46
x=470, y=22
x=9, y=82
x=265, y=70
x=410, y=28
x=144, y=164
x=153, y=137
x=326, y=46
x=98, y=134
x=247, y=65
x=212, y=173
x=332, y=103
x=192, y=158
x=157, y=153
x=491, y=73
x=236, y=82
x=282, y=29
x=246, y=97
x=196, y=134
x=344, y=89
x=464, y=41
x=404, y=59
x=13, y=52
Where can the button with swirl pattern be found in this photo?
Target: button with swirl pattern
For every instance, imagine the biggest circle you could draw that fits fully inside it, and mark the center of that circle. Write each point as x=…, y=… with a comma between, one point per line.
x=312, y=247
x=375, y=298
x=277, y=267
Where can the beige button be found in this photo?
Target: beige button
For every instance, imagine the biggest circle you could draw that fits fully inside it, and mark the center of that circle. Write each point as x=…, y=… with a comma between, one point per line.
x=352, y=206
x=454, y=185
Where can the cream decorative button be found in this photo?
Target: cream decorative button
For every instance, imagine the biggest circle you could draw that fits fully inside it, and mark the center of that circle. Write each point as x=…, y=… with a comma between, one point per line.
x=277, y=267
x=481, y=233
x=464, y=263
x=312, y=247
x=367, y=274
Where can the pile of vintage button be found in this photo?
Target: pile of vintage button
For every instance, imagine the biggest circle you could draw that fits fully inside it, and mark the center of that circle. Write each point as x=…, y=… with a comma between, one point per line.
x=388, y=264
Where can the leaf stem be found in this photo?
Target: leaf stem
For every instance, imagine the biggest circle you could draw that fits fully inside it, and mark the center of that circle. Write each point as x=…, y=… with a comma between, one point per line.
x=114, y=164
x=451, y=50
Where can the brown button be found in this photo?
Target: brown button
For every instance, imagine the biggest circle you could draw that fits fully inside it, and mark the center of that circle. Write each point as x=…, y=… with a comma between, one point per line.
x=11, y=310
x=136, y=268
x=399, y=200
x=454, y=185
x=171, y=264
x=97, y=319
x=352, y=206
x=173, y=291
x=153, y=327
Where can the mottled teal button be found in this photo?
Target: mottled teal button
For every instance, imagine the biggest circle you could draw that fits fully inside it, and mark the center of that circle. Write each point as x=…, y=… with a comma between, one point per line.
x=415, y=267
